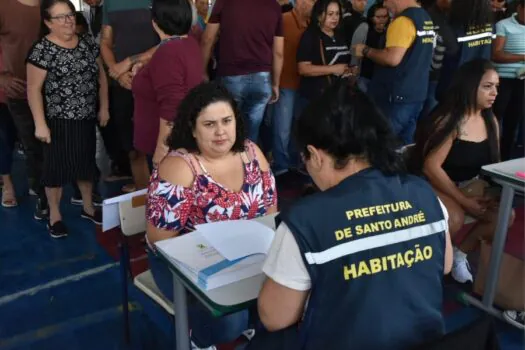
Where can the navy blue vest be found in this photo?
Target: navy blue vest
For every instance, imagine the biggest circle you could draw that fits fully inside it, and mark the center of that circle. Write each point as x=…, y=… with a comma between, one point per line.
x=408, y=82
x=473, y=44
x=374, y=248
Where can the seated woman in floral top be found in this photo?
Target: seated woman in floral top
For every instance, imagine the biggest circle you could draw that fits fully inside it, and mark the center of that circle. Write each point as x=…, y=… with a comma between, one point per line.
x=212, y=173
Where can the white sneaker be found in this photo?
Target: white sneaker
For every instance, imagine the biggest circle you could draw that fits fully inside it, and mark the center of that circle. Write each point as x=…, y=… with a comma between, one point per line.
x=249, y=334
x=515, y=318
x=195, y=347
x=461, y=268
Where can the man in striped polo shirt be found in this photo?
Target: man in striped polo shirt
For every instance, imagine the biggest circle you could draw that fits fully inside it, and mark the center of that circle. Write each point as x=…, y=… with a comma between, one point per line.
x=508, y=54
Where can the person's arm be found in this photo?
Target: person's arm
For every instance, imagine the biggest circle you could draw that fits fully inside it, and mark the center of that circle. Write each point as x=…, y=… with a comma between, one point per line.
x=496, y=129
x=106, y=46
x=390, y=56
x=35, y=82
x=277, y=66
x=209, y=37
x=175, y=171
x=283, y=295
x=400, y=36
x=280, y=307
x=116, y=69
x=103, y=94
x=359, y=37
x=308, y=69
x=499, y=55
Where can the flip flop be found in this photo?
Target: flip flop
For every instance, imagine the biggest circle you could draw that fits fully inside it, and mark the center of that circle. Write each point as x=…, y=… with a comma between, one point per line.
x=8, y=199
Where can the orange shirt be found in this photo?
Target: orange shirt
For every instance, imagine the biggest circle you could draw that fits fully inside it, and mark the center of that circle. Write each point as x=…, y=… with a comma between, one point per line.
x=292, y=32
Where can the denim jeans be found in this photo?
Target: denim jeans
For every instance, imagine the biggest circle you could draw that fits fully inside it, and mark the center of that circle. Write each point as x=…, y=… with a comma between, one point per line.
x=252, y=93
x=403, y=118
x=282, y=114
x=7, y=140
x=206, y=329
x=431, y=102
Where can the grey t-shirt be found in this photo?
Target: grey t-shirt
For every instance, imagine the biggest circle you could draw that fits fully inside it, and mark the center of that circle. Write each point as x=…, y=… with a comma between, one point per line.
x=131, y=23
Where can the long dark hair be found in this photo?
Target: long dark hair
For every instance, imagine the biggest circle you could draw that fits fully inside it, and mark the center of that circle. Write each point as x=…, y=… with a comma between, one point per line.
x=445, y=119
x=372, y=12
x=45, y=6
x=189, y=110
x=470, y=13
x=345, y=123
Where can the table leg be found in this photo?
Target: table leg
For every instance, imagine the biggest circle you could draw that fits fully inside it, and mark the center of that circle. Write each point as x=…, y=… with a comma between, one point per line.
x=180, y=304
x=498, y=245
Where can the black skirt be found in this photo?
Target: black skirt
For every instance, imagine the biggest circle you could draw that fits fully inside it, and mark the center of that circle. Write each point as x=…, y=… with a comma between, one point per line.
x=70, y=156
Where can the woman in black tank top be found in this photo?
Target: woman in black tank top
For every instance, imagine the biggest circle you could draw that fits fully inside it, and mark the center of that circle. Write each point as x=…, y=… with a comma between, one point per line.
x=459, y=137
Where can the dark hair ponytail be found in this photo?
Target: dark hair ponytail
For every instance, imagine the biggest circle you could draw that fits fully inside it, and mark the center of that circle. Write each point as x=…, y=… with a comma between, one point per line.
x=346, y=124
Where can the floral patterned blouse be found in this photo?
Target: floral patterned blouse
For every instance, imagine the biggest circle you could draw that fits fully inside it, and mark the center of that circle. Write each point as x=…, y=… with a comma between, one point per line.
x=178, y=208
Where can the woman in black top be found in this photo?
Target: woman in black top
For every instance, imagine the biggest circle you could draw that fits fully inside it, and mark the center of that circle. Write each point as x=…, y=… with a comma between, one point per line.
x=459, y=137
x=323, y=54
x=378, y=20
x=66, y=83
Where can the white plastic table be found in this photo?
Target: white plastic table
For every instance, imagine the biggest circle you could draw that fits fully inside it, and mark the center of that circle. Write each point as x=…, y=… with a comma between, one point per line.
x=221, y=301
x=503, y=174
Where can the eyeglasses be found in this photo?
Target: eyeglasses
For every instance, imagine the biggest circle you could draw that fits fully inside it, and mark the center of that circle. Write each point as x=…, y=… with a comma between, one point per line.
x=62, y=18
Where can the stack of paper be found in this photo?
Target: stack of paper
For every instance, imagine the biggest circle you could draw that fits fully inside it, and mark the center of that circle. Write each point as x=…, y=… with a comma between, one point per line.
x=219, y=253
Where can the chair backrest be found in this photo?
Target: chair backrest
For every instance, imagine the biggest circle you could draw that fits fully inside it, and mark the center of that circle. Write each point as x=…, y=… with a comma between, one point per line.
x=133, y=215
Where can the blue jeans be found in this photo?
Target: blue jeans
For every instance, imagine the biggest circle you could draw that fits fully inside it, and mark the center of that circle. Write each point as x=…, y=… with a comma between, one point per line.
x=252, y=93
x=206, y=329
x=431, y=102
x=282, y=114
x=7, y=140
x=403, y=118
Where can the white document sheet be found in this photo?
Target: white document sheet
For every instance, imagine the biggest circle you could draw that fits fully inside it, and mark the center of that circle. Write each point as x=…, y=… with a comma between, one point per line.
x=239, y=238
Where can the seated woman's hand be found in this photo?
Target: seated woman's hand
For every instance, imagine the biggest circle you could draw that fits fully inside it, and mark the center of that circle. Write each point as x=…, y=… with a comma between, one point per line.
x=476, y=206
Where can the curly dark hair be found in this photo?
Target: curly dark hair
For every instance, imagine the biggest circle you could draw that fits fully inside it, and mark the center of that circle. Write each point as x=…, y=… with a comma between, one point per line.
x=345, y=123
x=189, y=110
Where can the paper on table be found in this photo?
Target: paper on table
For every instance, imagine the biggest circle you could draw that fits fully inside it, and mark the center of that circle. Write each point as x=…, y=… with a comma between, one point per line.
x=239, y=238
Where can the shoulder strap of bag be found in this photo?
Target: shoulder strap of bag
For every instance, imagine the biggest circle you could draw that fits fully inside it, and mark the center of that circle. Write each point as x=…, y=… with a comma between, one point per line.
x=321, y=49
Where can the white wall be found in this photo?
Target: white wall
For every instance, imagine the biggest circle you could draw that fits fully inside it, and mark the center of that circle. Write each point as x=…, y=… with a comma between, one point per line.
x=77, y=4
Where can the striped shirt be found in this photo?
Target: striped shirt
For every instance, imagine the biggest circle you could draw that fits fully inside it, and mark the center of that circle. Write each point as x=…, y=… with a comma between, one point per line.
x=514, y=34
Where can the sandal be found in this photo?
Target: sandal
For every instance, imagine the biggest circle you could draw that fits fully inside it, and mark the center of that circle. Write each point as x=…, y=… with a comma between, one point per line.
x=8, y=199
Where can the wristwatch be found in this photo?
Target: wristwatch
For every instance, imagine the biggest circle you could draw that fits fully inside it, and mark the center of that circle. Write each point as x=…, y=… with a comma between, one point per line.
x=365, y=51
